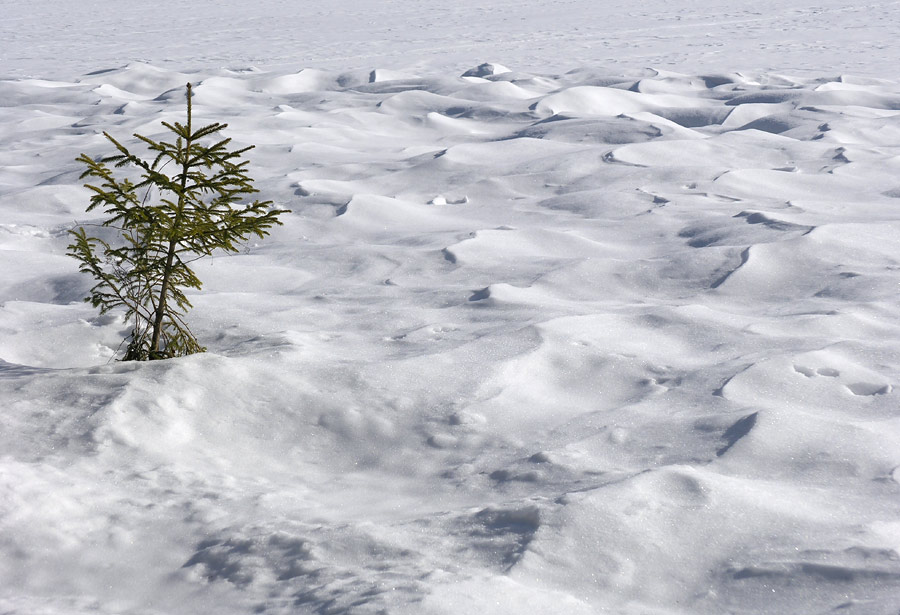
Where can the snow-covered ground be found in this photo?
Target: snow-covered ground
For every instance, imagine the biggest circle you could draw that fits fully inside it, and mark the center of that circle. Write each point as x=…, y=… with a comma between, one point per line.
x=616, y=330
x=58, y=39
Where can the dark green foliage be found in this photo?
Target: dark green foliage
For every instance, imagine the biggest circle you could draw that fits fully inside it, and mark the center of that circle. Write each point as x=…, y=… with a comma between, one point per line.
x=186, y=204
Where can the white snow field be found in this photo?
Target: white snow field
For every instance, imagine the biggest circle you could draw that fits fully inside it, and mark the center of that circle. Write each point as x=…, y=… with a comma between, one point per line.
x=609, y=326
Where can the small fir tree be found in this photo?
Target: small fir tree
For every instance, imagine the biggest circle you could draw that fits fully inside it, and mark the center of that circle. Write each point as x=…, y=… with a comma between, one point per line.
x=165, y=221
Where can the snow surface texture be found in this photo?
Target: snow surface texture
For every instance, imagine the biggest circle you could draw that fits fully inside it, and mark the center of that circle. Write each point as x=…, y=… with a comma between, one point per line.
x=602, y=341
x=58, y=39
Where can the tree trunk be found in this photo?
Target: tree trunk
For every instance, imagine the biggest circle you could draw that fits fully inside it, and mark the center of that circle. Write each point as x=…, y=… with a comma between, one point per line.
x=161, y=307
x=170, y=255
